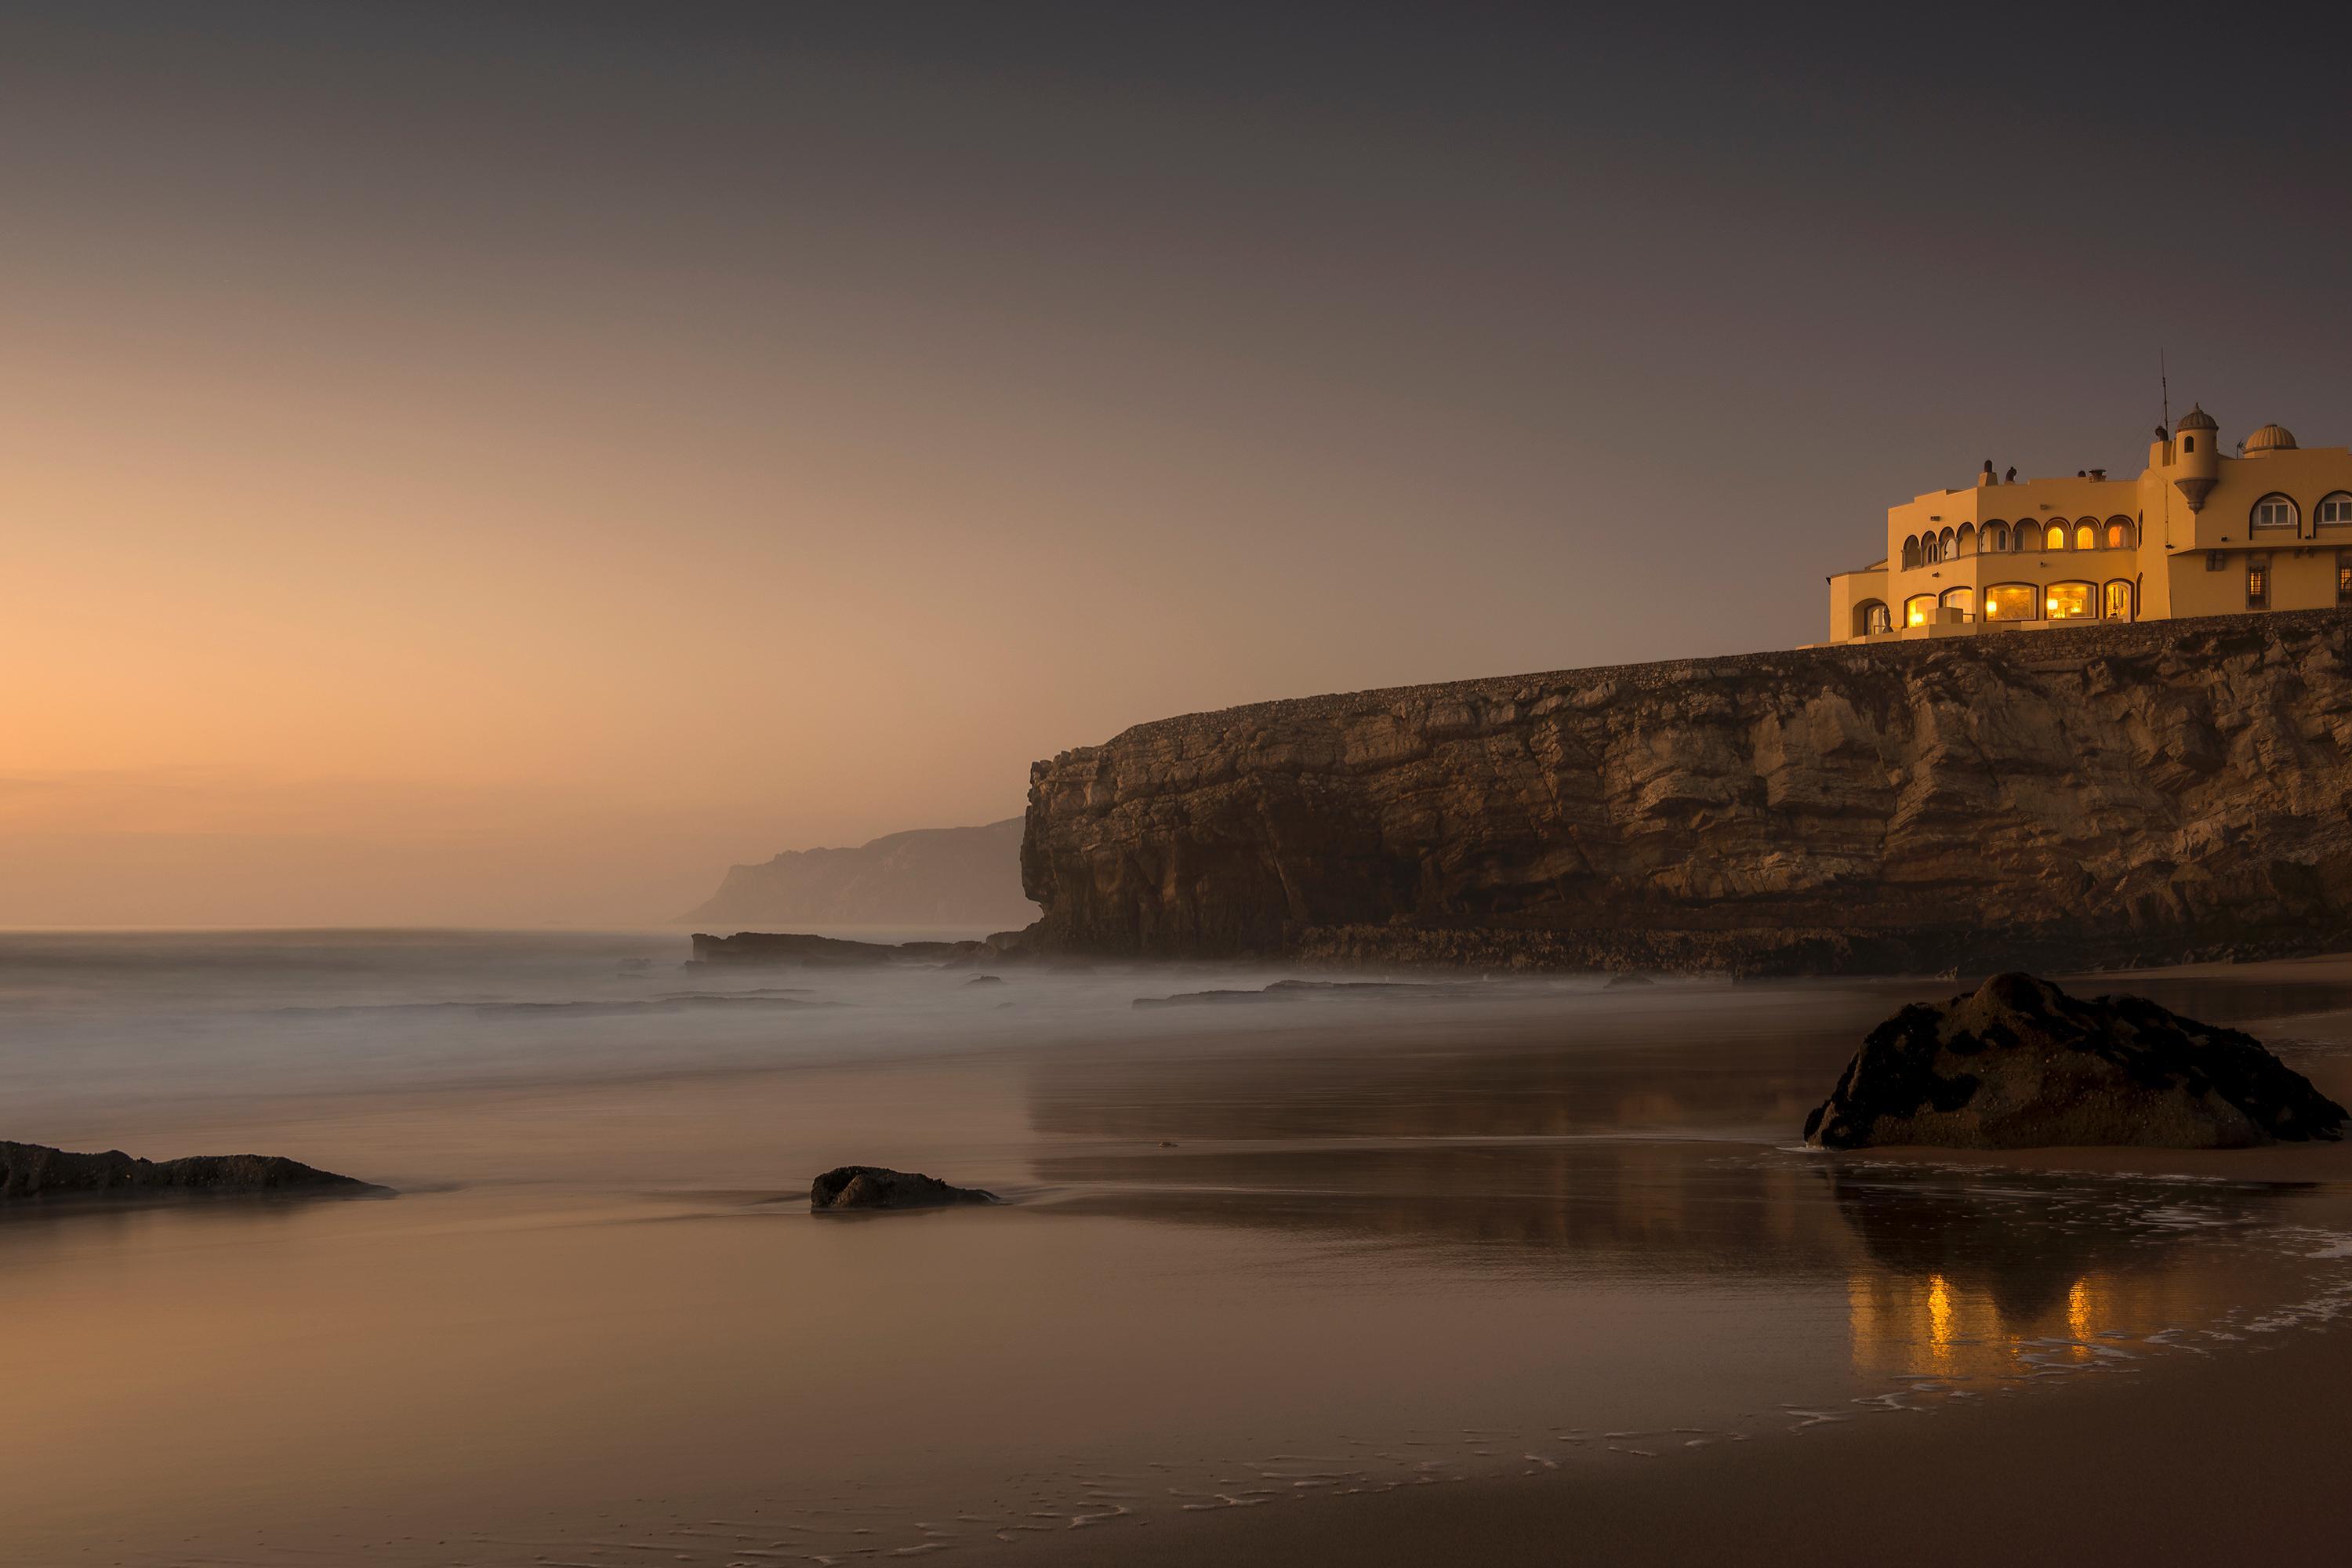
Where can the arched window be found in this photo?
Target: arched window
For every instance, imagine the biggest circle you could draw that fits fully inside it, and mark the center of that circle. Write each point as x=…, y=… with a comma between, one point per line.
x=2057, y=538
x=1910, y=553
x=2011, y=602
x=1967, y=539
x=2026, y=537
x=2275, y=512
x=1963, y=600
x=2337, y=507
x=1919, y=609
x=2188, y=445
x=2120, y=534
x=2086, y=535
x=2069, y=602
x=1947, y=548
x=2118, y=606
x=1870, y=618
x=1995, y=537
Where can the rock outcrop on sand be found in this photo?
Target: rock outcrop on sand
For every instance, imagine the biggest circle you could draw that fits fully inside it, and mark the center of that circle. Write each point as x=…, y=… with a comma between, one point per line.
x=858, y=1188
x=2069, y=798
x=825, y=952
x=34, y=1170
x=2022, y=1065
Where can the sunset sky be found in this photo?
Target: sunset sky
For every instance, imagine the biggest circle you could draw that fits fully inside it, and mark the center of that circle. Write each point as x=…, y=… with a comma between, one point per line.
x=485, y=463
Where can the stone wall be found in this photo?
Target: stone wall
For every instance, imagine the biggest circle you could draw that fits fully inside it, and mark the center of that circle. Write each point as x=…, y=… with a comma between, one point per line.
x=2105, y=794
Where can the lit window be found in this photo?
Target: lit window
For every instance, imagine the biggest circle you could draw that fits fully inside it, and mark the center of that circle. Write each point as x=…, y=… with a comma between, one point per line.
x=2344, y=577
x=2274, y=512
x=1919, y=611
x=2119, y=534
x=2337, y=507
x=2119, y=598
x=2066, y=602
x=1960, y=602
x=2057, y=538
x=2258, y=583
x=2086, y=537
x=2010, y=602
x=1876, y=620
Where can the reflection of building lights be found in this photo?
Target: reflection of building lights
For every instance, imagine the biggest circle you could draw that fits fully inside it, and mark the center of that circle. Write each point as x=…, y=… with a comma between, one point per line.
x=2078, y=1315
x=1939, y=1312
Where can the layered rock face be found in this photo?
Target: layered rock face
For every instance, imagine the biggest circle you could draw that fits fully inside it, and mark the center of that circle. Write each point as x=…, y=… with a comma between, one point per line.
x=2103, y=795
x=2022, y=1065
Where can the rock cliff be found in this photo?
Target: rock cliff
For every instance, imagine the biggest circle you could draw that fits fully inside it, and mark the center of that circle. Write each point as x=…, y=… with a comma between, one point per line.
x=2100, y=795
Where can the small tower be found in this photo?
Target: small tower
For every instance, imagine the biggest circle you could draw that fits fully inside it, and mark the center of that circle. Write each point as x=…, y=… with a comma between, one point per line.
x=2196, y=457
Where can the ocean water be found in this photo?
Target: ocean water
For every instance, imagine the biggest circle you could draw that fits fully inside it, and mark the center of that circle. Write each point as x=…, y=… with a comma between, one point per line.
x=1254, y=1247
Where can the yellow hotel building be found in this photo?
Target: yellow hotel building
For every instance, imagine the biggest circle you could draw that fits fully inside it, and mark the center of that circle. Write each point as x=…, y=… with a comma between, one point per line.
x=2199, y=533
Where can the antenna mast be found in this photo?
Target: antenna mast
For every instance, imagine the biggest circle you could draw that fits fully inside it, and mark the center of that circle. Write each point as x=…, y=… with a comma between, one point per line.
x=2164, y=385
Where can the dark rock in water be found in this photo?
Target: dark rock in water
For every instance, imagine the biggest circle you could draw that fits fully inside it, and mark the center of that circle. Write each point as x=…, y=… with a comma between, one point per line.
x=1294, y=990
x=985, y=980
x=1216, y=998
x=1630, y=978
x=825, y=951
x=874, y=1187
x=33, y=1169
x=2022, y=1065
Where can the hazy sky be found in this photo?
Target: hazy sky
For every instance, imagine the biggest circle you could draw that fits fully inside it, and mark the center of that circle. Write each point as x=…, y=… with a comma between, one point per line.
x=487, y=463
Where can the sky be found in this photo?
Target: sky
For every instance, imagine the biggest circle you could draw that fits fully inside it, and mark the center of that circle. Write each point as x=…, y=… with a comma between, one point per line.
x=483, y=464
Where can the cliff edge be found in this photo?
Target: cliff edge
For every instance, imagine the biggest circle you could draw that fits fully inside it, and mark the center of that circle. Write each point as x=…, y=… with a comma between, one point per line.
x=2103, y=795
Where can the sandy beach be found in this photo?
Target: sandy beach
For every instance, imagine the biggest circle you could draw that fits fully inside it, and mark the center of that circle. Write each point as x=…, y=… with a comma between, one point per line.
x=1465, y=1271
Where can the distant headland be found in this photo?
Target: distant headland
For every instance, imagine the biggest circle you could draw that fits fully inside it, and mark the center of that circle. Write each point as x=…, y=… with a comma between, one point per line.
x=930, y=877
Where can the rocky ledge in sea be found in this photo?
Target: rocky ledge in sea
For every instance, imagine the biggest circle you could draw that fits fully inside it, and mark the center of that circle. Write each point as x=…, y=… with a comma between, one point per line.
x=856, y=1188
x=2022, y=1065
x=35, y=1170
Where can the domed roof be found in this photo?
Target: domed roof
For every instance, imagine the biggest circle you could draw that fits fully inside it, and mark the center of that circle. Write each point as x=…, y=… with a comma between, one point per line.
x=2270, y=439
x=2195, y=419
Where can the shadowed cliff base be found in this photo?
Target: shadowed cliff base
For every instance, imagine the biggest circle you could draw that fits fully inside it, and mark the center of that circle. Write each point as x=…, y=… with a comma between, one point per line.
x=2113, y=795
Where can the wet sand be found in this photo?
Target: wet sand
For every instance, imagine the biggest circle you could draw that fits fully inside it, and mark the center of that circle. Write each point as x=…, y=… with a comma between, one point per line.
x=1496, y=1273
x=2236, y=1460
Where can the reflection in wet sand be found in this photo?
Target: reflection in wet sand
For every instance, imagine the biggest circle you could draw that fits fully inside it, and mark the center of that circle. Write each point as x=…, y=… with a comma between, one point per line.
x=1971, y=1279
x=1992, y=1280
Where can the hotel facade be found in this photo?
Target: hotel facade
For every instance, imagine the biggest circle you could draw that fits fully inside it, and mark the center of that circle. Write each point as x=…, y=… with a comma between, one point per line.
x=2198, y=532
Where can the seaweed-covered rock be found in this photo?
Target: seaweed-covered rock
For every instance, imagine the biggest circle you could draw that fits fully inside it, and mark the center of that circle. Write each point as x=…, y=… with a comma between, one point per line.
x=856, y=1187
x=35, y=1170
x=2022, y=1065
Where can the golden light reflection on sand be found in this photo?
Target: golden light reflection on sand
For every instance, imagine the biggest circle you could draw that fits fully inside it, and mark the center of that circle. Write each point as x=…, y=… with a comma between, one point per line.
x=1934, y=1323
